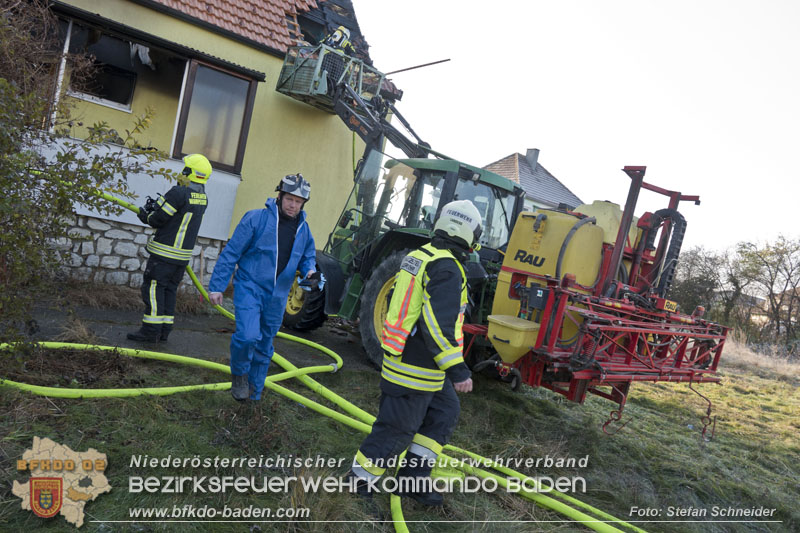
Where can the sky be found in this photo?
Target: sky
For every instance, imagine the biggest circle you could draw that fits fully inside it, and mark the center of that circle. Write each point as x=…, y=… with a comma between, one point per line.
x=705, y=93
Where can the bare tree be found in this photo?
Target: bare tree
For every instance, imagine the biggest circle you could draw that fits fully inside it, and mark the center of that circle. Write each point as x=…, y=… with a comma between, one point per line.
x=774, y=270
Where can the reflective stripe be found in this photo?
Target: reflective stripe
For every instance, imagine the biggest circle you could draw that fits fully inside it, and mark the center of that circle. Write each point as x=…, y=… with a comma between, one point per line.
x=433, y=325
x=450, y=358
x=169, y=252
x=386, y=334
x=406, y=301
x=422, y=373
x=169, y=319
x=425, y=447
x=182, y=231
x=422, y=451
x=391, y=346
x=365, y=463
x=394, y=329
x=153, y=300
x=409, y=383
x=168, y=209
x=157, y=319
x=363, y=474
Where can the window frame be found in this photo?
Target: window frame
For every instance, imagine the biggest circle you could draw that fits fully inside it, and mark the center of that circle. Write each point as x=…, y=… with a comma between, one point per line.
x=180, y=134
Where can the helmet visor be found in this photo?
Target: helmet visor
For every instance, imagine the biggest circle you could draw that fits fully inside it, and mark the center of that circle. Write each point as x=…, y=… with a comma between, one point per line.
x=296, y=185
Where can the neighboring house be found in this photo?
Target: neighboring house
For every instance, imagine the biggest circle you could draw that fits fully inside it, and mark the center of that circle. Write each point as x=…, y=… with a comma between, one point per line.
x=542, y=189
x=209, y=71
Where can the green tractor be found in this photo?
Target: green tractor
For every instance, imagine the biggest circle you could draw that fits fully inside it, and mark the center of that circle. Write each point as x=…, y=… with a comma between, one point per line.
x=392, y=207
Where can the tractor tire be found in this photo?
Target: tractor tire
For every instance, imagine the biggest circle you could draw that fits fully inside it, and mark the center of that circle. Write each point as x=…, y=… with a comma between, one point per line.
x=305, y=310
x=375, y=303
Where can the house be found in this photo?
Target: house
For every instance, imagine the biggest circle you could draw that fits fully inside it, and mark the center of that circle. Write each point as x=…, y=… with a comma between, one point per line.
x=209, y=71
x=542, y=189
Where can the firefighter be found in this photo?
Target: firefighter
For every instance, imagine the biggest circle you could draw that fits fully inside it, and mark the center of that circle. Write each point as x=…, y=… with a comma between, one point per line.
x=423, y=366
x=333, y=62
x=339, y=39
x=269, y=246
x=176, y=217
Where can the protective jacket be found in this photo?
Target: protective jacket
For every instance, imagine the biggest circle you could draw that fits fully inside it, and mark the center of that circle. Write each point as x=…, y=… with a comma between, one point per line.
x=422, y=335
x=254, y=248
x=177, y=220
x=260, y=290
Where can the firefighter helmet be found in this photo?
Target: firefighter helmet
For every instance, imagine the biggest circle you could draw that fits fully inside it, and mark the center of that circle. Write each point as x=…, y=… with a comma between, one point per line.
x=340, y=38
x=197, y=168
x=295, y=184
x=460, y=220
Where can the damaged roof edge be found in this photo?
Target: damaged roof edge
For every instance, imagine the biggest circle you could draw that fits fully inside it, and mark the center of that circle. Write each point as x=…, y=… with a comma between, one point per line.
x=128, y=32
x=157, y=6
x=61, y=7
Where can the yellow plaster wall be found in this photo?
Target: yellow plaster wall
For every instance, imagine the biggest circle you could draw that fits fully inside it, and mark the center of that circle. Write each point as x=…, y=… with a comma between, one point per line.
x=286, y=136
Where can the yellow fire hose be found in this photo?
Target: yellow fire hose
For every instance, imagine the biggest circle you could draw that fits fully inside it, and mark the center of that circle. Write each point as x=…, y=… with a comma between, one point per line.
x=359, y=419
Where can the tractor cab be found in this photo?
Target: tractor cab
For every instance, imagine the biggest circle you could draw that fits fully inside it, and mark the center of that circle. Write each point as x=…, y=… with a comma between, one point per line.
x=391, y=210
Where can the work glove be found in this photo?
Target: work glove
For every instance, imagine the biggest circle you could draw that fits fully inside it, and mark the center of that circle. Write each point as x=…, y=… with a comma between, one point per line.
x=142, y=214
x=314, y=282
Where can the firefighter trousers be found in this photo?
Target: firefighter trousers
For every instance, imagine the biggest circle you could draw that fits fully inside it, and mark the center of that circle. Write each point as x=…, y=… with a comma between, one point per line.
x=420, y=421
x=159, y=290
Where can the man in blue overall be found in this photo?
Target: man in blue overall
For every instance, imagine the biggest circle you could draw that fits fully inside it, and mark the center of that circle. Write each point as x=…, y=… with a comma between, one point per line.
x=268, y=245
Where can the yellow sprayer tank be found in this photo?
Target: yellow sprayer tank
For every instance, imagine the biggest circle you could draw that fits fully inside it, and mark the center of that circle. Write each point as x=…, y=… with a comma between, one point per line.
x=534, y=248
x=608, y=216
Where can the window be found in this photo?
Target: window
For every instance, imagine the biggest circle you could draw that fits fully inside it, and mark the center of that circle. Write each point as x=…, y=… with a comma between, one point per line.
x=113, y=80
x=495, y=206
x=215, y=116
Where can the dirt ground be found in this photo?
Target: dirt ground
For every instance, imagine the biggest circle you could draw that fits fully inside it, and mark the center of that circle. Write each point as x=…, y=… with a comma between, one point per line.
x=202, y=336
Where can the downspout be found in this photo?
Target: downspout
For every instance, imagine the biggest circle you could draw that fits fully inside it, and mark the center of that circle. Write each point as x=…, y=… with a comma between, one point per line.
x=180, y=108
x=62, y=66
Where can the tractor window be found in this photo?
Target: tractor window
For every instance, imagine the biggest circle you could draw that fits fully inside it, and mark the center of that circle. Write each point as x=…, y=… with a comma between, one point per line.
x=496, y=206
x=414, y=196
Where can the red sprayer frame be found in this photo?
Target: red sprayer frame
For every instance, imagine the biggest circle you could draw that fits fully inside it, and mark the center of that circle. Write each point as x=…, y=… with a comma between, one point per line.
x=626, y=331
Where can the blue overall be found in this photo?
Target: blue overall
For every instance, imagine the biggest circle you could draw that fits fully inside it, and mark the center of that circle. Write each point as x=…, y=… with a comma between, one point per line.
x=259, y=292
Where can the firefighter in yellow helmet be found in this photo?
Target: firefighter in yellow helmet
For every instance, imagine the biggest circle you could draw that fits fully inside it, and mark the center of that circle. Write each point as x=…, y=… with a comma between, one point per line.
x=423, y=366
x=176, y=216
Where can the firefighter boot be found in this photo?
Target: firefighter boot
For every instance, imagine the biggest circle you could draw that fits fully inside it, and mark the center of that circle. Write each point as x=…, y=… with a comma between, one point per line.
x=415, y=481
x=240, y=388
x=147, y=333
x=362, y=486
x=165, y=330
x=423, y=493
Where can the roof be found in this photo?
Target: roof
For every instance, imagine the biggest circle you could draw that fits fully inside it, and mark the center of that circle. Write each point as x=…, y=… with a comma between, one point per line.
x=129, y=33
x=261, y=21
x=539, y=185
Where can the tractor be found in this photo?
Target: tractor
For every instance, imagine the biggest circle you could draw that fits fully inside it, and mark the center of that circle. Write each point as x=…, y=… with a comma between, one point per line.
x=393, y=203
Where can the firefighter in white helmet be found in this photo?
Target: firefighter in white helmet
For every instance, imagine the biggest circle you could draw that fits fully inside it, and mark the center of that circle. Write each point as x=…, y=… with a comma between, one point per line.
x=423, y=366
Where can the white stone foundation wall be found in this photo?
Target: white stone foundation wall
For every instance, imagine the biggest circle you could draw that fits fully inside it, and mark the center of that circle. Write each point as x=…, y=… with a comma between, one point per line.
x=111, y=252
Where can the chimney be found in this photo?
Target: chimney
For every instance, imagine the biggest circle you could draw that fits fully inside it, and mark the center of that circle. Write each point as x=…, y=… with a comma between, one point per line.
x=532, y=156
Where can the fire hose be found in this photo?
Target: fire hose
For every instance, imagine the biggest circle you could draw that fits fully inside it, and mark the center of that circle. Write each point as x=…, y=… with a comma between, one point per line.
x=355, y=418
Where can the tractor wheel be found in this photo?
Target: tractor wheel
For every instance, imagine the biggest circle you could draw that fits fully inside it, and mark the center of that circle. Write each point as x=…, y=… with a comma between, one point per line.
x=305, y=310
x=375, y=304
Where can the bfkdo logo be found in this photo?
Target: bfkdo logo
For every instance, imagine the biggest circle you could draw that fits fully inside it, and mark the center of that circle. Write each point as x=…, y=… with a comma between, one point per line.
x=47, y=495
x=62, y=481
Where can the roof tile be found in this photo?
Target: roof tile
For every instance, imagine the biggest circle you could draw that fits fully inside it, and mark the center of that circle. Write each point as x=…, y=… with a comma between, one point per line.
x=538, y=183
x=262, y=21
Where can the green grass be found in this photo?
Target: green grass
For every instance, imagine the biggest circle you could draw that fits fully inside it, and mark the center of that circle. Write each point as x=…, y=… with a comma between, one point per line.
x=658, y=460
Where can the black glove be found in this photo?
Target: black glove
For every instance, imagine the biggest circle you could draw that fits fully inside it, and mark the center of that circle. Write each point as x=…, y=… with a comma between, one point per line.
x=315, y=281
x=142, y=214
